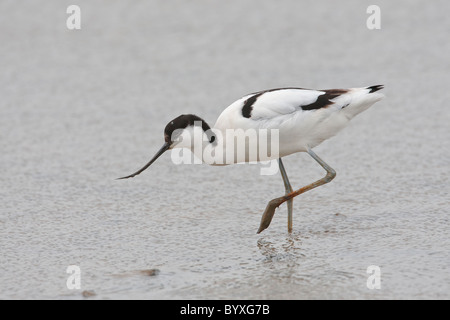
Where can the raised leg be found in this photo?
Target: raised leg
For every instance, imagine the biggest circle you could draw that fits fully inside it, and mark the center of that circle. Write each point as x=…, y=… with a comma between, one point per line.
x=288, y=188
x=275, y=203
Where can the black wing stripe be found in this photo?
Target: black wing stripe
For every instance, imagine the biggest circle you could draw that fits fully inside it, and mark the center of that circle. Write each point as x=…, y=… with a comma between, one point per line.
x=248, y=105
x=324, y=100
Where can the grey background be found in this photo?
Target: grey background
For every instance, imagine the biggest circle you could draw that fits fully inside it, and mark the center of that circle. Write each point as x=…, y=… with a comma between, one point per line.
x=81, y=108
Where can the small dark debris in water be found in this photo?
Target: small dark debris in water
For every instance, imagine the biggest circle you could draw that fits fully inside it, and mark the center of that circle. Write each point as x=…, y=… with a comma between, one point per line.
x=340, y=215
x=88, y=293
x=149, y=272
x=145, y=272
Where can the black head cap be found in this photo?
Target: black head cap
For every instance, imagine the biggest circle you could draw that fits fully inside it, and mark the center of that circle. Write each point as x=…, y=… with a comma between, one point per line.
x=184, y=121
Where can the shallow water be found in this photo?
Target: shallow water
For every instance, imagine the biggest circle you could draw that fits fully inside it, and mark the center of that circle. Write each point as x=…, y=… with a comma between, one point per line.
x=81, y=108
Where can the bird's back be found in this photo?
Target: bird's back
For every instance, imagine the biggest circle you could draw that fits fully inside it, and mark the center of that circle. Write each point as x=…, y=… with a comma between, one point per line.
x=304, y=117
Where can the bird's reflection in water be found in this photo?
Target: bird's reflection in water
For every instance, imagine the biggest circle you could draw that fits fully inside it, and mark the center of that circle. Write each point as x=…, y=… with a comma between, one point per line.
x=288, y=250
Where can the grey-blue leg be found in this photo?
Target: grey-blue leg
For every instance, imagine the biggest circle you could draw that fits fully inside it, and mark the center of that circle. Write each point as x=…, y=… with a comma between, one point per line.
x=275, y=203
x=288, y=188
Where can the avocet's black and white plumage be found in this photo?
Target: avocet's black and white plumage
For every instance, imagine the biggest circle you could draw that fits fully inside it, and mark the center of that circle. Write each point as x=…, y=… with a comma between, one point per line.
x=304, y=118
